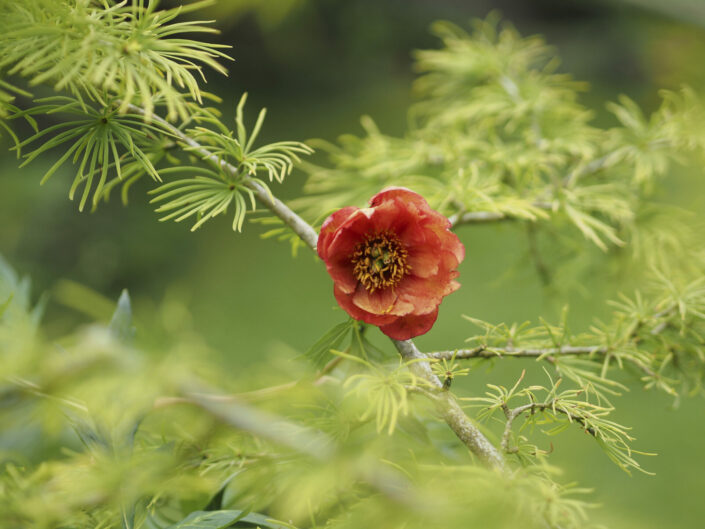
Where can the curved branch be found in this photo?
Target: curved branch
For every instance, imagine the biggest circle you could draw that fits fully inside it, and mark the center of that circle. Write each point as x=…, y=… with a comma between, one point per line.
x=512, y=414
x=299, y=226
x=448, y=408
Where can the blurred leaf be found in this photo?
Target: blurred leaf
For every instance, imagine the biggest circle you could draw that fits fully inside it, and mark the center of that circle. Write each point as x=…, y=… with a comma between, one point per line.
x=5, y=304
x=319, y=352
x=83, y=299
x=223, y=519
x=121, y=323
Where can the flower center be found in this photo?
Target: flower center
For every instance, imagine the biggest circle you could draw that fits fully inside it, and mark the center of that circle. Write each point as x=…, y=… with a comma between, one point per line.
x=379, y=261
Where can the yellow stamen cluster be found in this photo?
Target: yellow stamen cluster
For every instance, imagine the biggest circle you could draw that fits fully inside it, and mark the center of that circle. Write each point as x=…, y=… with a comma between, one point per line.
x=379, y=261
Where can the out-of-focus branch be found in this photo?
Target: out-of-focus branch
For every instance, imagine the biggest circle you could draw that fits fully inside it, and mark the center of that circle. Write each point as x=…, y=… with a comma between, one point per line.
x=448, y=408
x=266, y=425
x=600, y=163
x=474, y=217
x=477, y=216
x=592, y=167
x=306, y=441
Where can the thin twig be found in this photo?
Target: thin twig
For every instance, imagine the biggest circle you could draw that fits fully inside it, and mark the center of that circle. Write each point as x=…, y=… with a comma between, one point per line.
x=568, y=181
x=548, y=353
x=484, y=351
x=473, y=217
x=250, y=419
x=600, y=163
x=477, y=216
x=512, y=414
x=592, y=167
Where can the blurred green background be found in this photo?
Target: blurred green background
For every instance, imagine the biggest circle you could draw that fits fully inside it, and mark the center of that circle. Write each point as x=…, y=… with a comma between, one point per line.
x=318, y=65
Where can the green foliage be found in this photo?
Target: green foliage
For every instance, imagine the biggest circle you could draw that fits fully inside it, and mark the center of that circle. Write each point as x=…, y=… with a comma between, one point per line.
x=222, y=519
x=113, y=57
x=104, y=49
x=8, y=93
x=386, y=391
x=123, y=436
x=276, y=159
x=660, y=338
x=448, y=369
x=98, y=140
x=651, y=144
x=497, y=134
x=103, y=140
x=320, y=351
x=104, y=431
x=554, y=410
x=232, y=163
x=89, y=395
x=204, y=196
x=121, y=322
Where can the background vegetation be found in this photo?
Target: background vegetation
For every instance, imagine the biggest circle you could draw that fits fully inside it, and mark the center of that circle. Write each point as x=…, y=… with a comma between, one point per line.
x=317, y=66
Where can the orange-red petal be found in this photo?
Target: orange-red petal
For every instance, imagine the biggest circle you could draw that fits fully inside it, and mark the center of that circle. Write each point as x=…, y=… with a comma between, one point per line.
x=377, y=302
x=425, y=293
x=329, y=228
x=424, y=261
x=402, y=193
x=345, y=301
x=406, y=327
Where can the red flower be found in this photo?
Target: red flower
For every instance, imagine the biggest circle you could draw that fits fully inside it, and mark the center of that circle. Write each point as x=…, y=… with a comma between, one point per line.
x=391, y=263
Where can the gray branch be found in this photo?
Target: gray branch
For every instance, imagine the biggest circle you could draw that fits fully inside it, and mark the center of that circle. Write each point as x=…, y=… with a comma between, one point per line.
x=485, y=351
x=447, y=406
x=449, y=409
x=549, y=353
